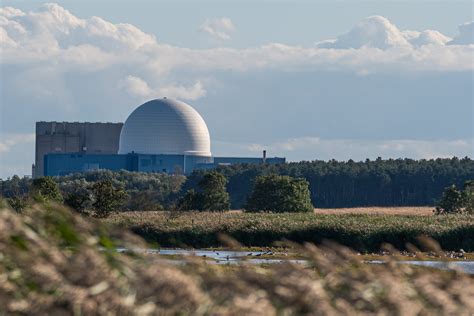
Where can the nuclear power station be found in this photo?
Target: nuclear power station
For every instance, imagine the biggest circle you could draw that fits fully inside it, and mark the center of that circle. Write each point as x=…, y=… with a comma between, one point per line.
x=162, y=135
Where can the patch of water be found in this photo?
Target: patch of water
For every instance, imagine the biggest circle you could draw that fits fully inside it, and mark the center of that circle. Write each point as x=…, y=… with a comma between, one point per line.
x=248, y=257
x=213, y=254
x=465, y=266
x=217, y=256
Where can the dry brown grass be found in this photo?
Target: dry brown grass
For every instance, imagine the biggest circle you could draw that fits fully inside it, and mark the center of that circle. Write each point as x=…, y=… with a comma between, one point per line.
x=377, y=210
x=363, y=232
x=51, y=264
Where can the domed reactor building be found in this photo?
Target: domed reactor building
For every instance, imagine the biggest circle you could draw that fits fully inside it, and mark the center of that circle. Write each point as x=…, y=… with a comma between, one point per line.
x=162, y=135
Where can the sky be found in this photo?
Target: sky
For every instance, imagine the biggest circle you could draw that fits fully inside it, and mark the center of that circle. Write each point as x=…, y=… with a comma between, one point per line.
x=304, y=80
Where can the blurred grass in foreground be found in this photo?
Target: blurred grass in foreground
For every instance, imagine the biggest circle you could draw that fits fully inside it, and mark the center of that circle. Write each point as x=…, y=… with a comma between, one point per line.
x=55, y=262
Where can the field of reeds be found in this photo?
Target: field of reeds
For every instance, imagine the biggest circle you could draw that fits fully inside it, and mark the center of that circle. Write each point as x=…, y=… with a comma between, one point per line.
x=55, y=262
x=377, y=210
x=361, y=232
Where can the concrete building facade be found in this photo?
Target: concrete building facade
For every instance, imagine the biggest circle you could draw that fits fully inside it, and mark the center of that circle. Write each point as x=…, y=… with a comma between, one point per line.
x=74, y=137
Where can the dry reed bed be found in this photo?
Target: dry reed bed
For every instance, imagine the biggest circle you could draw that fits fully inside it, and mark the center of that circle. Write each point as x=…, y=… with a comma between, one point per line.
x=50, y=263
x=361, y=232
x=376, y=210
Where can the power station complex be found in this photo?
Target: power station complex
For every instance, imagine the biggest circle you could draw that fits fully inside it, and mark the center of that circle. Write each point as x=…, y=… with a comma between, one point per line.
x=162, y=135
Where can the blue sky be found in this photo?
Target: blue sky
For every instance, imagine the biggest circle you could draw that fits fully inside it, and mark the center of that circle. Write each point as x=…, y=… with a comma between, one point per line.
x=305, y=80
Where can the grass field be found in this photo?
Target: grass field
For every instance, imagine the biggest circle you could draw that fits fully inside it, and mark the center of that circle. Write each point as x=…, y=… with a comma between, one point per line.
x=362, y=232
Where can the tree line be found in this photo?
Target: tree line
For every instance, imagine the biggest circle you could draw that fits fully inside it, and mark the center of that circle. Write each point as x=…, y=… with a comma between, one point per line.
x=102, y=198
x=335, y=184
x=144, y=191
x=400, y=182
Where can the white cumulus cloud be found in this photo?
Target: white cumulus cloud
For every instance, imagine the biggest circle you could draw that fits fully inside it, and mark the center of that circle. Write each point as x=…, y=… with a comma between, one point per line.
x=378, y=32
x=374, y=31
x=138, y=87
x=219, y=28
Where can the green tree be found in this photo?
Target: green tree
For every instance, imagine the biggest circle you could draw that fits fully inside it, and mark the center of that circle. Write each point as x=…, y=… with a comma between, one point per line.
x=79, y=200
x=107, y=198
x=212, y=195
x=46, y=189
x=451, y=201
x=189, y=201
x=280, y=194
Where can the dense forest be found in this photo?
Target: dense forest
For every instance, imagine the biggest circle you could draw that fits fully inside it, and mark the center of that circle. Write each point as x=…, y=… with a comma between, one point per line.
x=400, y=182
x=393, y=182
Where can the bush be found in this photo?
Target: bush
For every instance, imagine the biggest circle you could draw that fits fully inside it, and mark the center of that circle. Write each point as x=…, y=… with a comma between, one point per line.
x=106, y=198
x=18, y=203
x=79, y=201
x=280, y=194
x=46, y=189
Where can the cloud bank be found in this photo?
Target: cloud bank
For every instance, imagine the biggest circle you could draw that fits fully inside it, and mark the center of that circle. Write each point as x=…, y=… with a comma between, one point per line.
x=53, y=35
x=58, y=66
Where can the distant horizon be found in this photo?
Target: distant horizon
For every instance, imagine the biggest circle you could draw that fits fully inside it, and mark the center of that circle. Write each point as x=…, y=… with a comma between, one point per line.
x=305, y=81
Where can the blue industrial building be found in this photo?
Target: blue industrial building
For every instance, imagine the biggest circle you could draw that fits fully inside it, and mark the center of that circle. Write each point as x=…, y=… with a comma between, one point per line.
x=159, y=136
x=63, y=164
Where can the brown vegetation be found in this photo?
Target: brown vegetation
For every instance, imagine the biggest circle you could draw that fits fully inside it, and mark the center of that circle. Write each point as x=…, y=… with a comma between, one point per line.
x=402, y=210
x=362, y=232
x=55, y=262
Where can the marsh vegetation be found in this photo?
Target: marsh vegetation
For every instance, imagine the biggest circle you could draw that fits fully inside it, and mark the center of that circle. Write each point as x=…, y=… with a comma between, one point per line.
x=54, y=261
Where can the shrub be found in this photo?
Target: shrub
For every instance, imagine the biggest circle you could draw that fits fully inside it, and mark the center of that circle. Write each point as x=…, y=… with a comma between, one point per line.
x=18, y=203
x=46, y=189
x=106, y=198
x=79, y=200
x=280, y=194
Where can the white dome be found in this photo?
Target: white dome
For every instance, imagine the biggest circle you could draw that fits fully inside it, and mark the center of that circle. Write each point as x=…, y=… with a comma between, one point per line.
x=165, y=126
